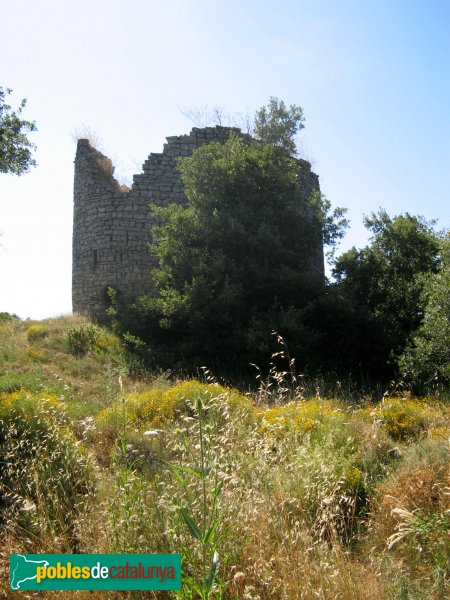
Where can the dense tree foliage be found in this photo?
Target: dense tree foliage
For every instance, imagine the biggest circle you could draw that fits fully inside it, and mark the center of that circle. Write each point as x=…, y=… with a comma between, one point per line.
x=235, y=262
x=278, y=125
x=15, y=147
x=381, y=286
x=426, y=360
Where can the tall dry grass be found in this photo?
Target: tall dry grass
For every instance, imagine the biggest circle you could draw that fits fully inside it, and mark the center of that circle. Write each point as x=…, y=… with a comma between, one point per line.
x=318, y=498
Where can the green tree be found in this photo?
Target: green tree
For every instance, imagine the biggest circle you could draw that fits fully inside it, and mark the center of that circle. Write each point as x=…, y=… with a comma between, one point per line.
x=278, y=125
x=383, y=283
x=274, y=123
x=15, y=147
x=235, y=262
x=426, y=360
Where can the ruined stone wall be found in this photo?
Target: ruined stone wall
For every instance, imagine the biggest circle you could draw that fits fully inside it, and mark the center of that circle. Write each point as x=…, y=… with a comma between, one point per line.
x=111, y=227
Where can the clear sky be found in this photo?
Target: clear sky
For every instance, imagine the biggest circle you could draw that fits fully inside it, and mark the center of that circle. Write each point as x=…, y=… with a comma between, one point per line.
x=373, y=78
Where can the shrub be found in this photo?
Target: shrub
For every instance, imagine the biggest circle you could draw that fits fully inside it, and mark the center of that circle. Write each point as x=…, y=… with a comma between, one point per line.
x=36, y=332
x=107, y=343
x=82, y=339
x=91, y=338
x=439, y=433
x=130, y=410
x=180, y=397
x=36, y=354
x=303, y=417
x=6, y=317
x=156, y=407
x=403, y=418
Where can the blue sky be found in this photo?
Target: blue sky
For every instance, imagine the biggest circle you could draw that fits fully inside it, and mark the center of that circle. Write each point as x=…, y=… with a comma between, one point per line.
x=372, y=76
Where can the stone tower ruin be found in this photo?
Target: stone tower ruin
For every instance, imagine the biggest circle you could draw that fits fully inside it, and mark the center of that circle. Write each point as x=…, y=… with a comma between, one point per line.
x=111, y=227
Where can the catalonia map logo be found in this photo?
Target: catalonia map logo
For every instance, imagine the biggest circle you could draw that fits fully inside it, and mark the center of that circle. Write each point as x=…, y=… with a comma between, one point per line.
x=95, y=571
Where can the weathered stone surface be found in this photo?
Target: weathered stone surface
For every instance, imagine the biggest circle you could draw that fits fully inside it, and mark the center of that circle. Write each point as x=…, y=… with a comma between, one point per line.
x=111, y=228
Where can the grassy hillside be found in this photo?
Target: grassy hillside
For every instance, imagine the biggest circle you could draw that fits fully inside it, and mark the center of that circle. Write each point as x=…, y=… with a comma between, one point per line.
x=274, y=495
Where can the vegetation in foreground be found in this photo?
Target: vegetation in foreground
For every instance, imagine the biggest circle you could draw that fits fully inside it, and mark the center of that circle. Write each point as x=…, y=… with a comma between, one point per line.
x=282, y=493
